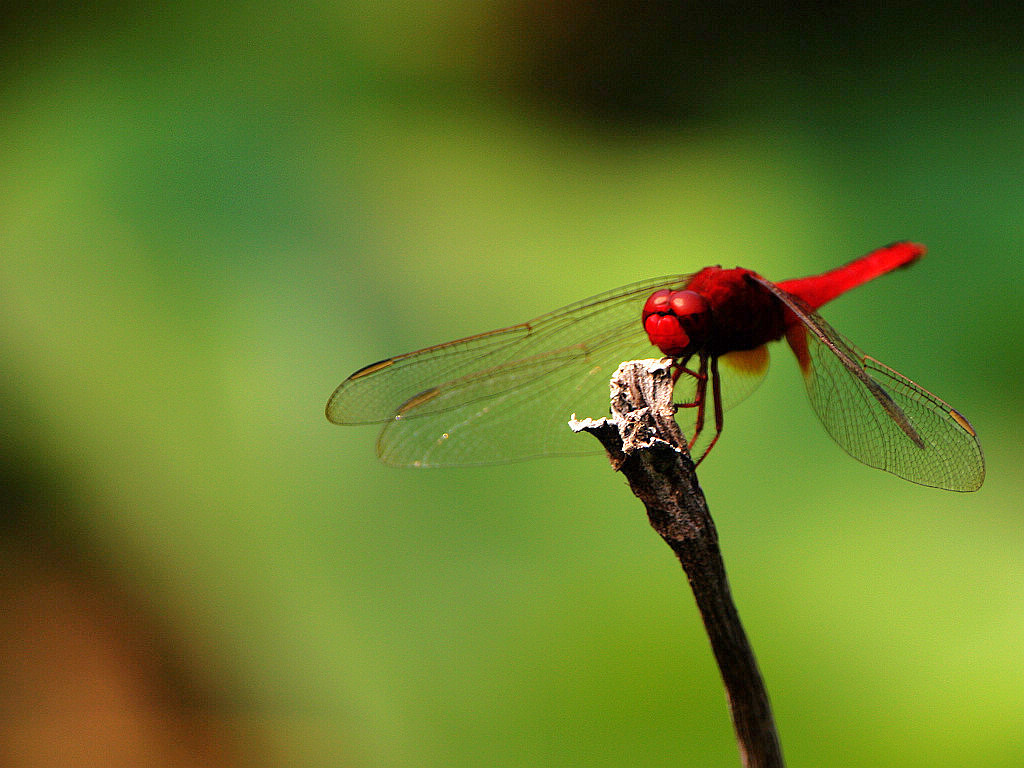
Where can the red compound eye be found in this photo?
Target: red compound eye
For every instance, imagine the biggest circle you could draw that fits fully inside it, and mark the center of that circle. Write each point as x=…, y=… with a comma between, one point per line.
x=684, y=303
x=658, y=302
x=675, y=321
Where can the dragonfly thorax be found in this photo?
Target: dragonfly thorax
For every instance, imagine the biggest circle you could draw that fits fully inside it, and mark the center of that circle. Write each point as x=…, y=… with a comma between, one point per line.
x=677, y=322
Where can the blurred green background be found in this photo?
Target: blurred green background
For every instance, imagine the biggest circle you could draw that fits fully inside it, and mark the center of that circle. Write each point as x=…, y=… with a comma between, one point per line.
x=211, y=214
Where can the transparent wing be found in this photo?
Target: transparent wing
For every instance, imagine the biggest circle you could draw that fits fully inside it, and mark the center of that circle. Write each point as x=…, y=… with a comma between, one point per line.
x=504, y=395
x=876, y=414
x=742, y=372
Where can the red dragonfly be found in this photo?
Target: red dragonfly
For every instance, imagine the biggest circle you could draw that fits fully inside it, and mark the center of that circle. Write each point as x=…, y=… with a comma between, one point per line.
x=507, y=394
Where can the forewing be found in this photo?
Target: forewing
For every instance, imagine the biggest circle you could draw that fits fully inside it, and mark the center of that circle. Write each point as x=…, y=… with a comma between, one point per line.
x=502, y=395
x=876, y=414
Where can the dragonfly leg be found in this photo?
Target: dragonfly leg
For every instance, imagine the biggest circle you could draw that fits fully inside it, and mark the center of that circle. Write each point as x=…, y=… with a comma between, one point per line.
x=699, y=399
x=679, y=367
x=716, y=394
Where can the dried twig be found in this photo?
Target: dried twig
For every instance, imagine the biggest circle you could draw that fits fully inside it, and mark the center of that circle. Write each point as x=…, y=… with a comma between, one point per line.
x=645, y=444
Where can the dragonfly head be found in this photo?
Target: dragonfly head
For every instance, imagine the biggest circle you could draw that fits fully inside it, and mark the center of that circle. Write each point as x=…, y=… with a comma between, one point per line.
x=677, y=322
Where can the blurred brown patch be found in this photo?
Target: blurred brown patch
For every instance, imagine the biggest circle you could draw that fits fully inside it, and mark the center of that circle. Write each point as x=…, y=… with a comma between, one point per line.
x=87, y=676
